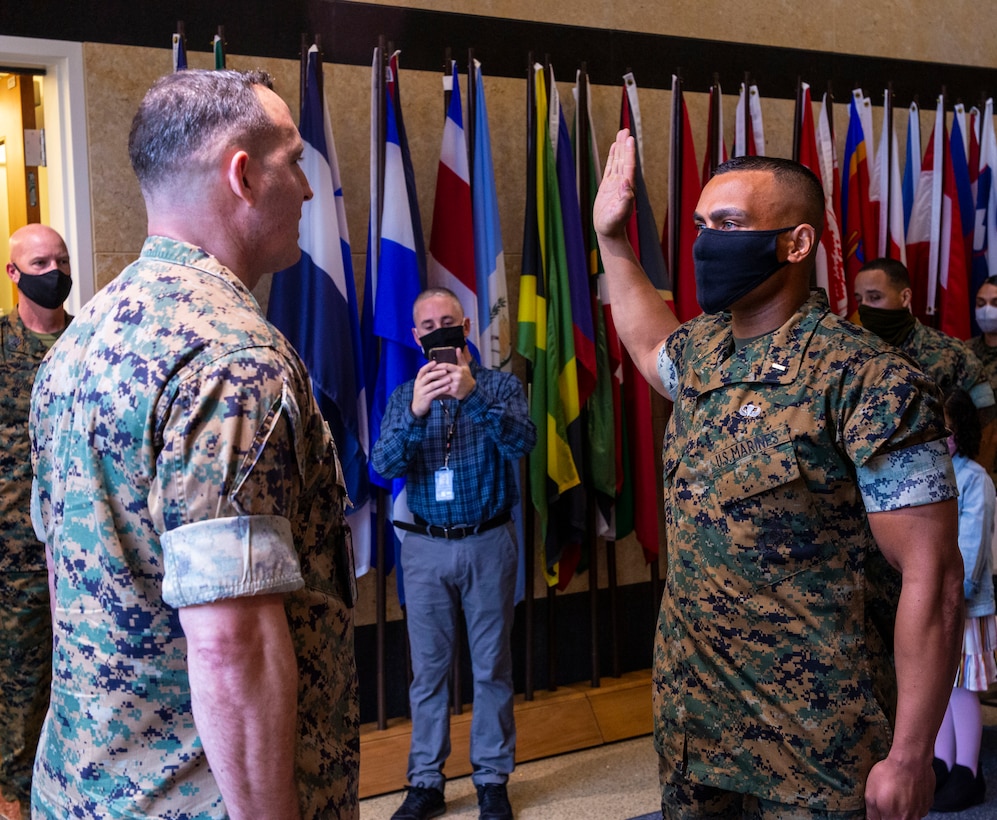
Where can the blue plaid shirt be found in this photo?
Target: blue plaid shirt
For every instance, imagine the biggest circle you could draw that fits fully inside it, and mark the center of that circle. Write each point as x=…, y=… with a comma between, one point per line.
x=493, y=431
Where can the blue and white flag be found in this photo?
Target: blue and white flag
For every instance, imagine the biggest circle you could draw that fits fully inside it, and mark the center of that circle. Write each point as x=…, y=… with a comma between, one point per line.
x=399, y=280
x=985, y=232
x=314, y=303
x=489, y=259
x=179, y=52
x=912, y=163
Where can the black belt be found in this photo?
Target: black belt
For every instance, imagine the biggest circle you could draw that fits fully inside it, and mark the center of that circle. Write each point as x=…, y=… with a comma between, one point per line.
x=453, y=533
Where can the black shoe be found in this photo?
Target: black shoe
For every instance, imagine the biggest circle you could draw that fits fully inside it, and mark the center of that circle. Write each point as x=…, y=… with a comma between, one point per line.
x=421, y=804
x=961, y=790
x=493, y=802
x=941, y=770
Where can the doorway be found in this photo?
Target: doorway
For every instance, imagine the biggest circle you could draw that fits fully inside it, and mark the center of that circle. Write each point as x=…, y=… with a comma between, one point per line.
x=46, y=77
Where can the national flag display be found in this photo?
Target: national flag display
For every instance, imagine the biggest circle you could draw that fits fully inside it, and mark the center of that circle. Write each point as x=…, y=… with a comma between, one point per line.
x=640, y=446
x=314, y=303
x=393, y=281
x=860, y=219
x=829, y=262
x=494, y=333
x=451, y=243
x=749, y=132
x=547, y=340
x=683, y=193
x=891, y=242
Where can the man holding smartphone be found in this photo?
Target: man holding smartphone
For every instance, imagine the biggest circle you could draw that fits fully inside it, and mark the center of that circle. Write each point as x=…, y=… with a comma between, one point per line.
x=457, y=432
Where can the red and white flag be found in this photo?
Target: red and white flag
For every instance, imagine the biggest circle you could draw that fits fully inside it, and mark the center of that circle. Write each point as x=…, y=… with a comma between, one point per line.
x=451, y=242
x=935, y=250
x=830, y=261
x=892, y=242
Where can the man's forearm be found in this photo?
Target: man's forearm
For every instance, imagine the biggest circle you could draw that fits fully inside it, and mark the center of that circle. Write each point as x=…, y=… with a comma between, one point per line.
x=643, y=320
x=243, y=681
x=927, y=644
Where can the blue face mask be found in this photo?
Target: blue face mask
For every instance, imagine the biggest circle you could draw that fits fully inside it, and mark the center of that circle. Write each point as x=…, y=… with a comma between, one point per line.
x=730, y=264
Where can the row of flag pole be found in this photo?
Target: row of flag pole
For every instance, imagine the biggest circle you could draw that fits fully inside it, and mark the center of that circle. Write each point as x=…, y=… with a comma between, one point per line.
x=180, y=48
x=937, y=217
x=593, y=410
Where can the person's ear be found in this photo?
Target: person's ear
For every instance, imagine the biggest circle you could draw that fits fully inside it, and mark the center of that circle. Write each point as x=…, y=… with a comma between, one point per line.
x=803, y=238
x=13, y=273
x=237, y=175
x=906, y=297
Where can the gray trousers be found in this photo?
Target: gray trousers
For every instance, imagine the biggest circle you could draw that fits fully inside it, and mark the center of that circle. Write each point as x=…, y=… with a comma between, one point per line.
x=477, y=573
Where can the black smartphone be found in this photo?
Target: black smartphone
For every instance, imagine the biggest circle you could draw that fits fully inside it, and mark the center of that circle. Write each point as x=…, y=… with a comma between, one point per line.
x=444, y=354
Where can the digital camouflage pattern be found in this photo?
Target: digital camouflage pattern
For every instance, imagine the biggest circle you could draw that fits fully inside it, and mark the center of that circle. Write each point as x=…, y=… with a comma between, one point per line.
x=950, y=362
x=763, y=660
x=180, y=458
x=25, y=622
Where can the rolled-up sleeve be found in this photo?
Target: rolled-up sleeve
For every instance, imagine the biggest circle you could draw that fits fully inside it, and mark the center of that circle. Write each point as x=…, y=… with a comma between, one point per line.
x=228, y=479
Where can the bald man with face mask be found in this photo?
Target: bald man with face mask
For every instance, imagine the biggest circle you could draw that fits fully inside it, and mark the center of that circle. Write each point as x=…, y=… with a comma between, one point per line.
x=39, y=267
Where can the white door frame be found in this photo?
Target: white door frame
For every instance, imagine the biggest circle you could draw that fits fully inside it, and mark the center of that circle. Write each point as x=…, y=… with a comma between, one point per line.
x=64, y=104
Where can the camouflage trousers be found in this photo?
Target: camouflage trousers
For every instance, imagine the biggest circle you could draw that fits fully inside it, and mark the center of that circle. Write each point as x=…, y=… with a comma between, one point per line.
x=685, y=800
x=25, y=677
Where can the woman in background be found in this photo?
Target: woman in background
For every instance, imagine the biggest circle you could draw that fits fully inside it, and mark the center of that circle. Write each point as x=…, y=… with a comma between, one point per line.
x=959, y=779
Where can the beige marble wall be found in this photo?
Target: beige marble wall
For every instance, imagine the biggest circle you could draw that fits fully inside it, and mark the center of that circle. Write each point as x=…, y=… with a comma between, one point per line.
x=117, y=76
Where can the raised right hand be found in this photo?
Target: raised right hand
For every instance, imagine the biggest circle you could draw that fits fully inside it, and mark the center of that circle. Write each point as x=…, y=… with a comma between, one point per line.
x=614, y=201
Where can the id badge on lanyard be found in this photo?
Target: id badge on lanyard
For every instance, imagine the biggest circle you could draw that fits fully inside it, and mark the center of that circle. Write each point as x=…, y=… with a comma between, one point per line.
x=444, y=475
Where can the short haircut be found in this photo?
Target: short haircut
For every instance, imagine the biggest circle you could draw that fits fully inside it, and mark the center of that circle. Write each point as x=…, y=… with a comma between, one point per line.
x=429, y=293
x=990, y=280
x=188, y=115
x=965, y=422
x=895, y=270
x=797, y=178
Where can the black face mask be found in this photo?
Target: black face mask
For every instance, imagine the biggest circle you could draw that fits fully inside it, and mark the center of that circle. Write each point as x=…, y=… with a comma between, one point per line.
x=730, y=264
x=452, y=336
x=48, y=290
x=891, y=325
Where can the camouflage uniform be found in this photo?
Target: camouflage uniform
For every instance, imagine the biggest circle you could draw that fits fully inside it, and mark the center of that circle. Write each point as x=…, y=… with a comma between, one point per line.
x=180, y=459
x=25, y=620
x=772, y=457
x=950, y=362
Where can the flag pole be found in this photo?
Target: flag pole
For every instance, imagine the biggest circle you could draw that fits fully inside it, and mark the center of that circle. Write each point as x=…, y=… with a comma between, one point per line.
x=456, y=688
x=889, y=164
x=303, y=75
x=830, y=109
x=582, y=140
x=380, y=516
x=447, y=87
x=551, y=590
x=746, y=113
x=471, y=117
x=179, y=48
x=711, y=140
x=529, y=516
x=675, y=176
x=797, y=119
x=218, y=47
